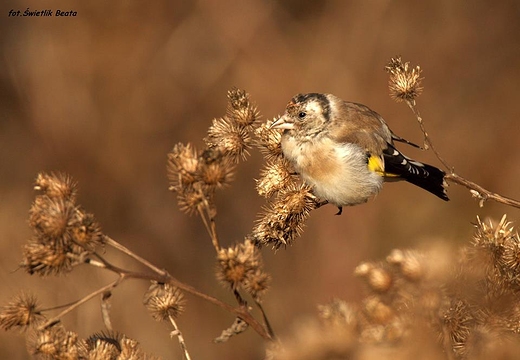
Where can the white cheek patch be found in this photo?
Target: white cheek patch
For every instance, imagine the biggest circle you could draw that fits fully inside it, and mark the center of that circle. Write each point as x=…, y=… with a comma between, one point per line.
x=313, y=107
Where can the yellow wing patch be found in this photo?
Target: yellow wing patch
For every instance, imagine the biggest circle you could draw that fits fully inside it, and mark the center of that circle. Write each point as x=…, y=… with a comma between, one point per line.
x=377, y=165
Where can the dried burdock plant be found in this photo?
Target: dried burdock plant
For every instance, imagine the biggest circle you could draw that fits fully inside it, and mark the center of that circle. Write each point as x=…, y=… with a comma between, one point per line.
x=195, y=175
x=53, y=342
x=289, y=200
x=183, y=165
x=414, y=304
x=164, y=301
x=274, y=177
x=410, y=263
x=56, y=186
x=405, y=85
x=268, y=140
x=405, y=82
x=283, y=219
x=63, y=234
x=216, y=171
x=458, y=306
x=240, y=108
x=378, y=278
x=494, y=255
x=111, y=345
x=232, y=139
x=23, y=311
x=240, y=267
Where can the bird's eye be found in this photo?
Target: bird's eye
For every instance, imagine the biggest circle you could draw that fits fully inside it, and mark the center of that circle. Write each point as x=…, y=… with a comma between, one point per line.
x=302, y=114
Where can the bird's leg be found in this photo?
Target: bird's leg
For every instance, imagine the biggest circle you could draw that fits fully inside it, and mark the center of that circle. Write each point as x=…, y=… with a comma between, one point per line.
x=325, y=202
x=321, y=203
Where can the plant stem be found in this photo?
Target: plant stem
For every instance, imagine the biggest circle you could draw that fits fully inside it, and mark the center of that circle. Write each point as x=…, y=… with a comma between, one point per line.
x=133, y=255
x=481, y=193
x=81, y=301
x=178, y=333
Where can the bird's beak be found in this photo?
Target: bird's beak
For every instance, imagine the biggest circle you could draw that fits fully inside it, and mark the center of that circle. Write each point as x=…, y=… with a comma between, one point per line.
x=282, y=123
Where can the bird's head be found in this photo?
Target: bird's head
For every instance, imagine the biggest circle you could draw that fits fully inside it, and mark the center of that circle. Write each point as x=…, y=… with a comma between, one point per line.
x=305, y=115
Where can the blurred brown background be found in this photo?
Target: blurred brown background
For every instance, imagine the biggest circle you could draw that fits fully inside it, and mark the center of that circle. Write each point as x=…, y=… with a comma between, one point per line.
x=106, y=94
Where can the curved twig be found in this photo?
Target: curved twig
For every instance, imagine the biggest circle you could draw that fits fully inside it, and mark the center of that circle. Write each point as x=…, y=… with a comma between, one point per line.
x=81, y=301
x=162, y=276
x=476, y=190
x=480, y=193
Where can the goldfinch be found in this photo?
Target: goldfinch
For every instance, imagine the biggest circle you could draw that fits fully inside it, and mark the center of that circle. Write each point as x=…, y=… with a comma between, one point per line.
x=345, y=150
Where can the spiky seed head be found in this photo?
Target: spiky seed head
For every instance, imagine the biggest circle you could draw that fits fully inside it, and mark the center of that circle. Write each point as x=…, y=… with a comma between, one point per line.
x=164, y=301
x=273, y=178
x=86, y=231
x=182, y=166
x=268, y=140
x=59, y=185
x=377, y=277
x=104, y=345
x=240, y=108
x=21, y=312
x=216, y=174
x=47, y=259
x=339, y=313
x=405, y=82
x=52, y=342
x=457, y=323
x=409, y=263
x=257, y=283
x=241, y=266
x=377, y=311
x=192, y=199
x=283, y=220
x=51, y=217
x=232, y=139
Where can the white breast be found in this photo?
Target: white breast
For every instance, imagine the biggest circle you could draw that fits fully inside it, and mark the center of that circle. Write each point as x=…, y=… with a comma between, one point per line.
x=337, y=172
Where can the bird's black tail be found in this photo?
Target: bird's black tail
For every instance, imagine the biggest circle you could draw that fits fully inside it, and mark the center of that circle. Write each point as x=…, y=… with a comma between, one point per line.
x=425, y=176
x=431, y=180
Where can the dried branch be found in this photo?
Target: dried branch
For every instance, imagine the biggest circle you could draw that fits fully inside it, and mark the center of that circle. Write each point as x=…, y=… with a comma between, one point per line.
x=480, y=193
x=209, y=223
x=176, y=332
x=428, y=144
x=162, y=276
x=405, y=85
x=241, y=311
x=81, y=301
x=133, y=255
